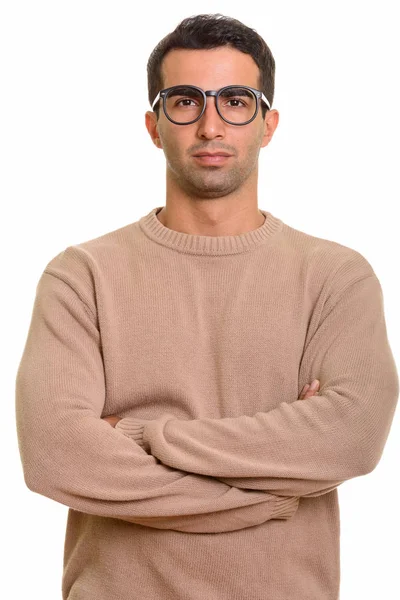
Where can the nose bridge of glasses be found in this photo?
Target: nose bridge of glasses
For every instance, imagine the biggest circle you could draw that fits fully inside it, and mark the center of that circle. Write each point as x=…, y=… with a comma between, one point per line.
x=210, y=93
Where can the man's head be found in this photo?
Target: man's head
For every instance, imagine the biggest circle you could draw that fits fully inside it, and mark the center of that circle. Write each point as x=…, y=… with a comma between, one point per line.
x=210, y=52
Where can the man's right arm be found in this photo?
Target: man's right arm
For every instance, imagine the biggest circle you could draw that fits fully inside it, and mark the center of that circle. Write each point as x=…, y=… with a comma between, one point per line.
x=71, y=455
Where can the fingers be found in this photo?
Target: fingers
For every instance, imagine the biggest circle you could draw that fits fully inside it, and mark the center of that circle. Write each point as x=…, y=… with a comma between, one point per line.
x=303, y=391
x=309, y=390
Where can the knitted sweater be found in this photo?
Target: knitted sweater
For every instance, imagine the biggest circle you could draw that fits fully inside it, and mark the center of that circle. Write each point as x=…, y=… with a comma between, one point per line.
x=218, y=483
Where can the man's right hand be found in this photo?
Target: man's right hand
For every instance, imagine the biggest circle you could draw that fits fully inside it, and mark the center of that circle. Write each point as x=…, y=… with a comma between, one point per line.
x=309, y=390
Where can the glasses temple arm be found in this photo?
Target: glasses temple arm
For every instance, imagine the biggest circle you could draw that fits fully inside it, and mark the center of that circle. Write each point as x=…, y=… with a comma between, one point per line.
x=266, y=101
x=156, y=99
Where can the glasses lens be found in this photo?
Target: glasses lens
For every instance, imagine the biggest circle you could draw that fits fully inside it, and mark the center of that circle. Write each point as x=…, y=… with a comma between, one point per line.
x=237, y=104
x=184, y=104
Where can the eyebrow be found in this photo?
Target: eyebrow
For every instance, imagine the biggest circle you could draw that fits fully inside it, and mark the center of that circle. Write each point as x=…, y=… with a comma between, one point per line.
x=234, y=91
x=182, y=90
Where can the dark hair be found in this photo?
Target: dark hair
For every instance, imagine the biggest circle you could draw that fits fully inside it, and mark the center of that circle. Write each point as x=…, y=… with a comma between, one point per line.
x=212, y=31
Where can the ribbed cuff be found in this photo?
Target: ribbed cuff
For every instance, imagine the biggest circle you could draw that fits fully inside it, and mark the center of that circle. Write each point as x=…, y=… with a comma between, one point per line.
x=285, y=507
x=134, y=428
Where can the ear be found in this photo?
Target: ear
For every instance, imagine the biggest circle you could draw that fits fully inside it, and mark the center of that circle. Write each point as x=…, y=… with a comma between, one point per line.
x=152, y=127
x=270, y=124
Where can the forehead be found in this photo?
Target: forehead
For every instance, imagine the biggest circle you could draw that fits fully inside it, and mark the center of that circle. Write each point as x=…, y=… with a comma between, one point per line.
x=209, y=69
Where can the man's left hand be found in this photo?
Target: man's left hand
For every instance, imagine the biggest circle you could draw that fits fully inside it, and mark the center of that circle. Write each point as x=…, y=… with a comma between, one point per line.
x=112, y=419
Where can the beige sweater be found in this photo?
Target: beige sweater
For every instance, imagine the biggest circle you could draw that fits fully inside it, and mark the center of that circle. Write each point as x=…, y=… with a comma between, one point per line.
x=218, y=483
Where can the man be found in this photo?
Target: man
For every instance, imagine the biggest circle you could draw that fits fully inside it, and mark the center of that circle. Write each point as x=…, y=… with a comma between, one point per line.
x=194, y=332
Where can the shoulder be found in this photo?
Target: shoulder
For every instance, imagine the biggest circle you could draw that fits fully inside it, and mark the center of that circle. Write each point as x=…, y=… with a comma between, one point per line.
x=87, y=265
x=326, y=260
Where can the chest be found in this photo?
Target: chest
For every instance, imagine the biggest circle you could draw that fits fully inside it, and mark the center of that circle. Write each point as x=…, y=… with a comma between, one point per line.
x=207, y=341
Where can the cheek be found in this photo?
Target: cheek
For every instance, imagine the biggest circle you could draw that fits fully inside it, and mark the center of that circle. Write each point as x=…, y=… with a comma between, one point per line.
x=247, y=147
x=254, y=144
x=246, y=140
x=175, y=141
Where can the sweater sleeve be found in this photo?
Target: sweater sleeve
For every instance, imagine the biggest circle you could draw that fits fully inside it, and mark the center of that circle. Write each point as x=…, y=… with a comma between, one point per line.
x=301, y=447
x=71, y=455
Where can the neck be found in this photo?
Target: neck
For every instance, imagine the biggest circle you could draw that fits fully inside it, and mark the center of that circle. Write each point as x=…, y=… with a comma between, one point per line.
x=207, y=213
x=210, y=217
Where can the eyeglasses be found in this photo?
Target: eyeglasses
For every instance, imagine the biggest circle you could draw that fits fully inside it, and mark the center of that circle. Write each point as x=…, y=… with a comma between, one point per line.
x=236, y=104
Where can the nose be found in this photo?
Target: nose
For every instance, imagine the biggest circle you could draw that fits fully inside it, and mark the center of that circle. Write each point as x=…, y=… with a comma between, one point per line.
x=211, y=125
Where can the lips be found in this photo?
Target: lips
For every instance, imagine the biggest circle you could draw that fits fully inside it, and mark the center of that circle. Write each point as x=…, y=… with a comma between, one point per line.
x=212, y=154
x=212, y=159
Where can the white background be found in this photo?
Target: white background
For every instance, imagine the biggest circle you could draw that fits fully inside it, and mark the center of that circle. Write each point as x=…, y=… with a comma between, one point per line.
x=77, y=161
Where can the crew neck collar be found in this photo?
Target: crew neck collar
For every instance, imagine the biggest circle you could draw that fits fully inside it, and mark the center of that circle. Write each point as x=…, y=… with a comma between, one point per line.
x=208, y=244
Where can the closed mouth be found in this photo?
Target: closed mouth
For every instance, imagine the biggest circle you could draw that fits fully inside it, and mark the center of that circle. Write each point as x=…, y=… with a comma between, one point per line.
x=216, y=154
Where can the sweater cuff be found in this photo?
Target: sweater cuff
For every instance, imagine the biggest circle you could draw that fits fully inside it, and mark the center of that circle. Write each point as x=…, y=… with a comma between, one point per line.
x=285, y=507
x=134, y=428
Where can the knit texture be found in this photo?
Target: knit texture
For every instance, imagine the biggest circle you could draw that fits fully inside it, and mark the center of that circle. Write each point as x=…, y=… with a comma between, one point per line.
x=217, y=483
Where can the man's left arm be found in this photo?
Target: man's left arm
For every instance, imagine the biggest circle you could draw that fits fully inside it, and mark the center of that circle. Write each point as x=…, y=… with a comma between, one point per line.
x=302, y=447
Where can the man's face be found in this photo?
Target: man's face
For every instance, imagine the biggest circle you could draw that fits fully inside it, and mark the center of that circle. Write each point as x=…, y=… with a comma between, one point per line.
x=211, y=70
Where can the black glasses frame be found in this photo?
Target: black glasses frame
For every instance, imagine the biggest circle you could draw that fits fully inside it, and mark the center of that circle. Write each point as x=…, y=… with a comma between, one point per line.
x=260, y=97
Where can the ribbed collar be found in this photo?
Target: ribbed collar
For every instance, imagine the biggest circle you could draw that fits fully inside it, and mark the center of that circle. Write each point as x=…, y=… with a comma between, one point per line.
x=209, y=244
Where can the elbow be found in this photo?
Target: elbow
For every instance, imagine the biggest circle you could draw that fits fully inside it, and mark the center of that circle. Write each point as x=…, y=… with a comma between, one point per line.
x=376, y=435
x=34, y=477
x=36, y=461
x=30, y=482
x=371, y=456
x=370, y=461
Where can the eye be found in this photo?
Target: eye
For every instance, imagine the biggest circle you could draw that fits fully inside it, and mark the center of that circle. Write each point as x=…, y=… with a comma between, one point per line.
x=178, y=102
x=237, y=97
x=236, y=100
